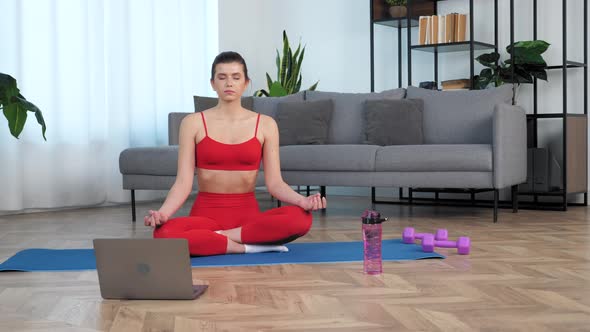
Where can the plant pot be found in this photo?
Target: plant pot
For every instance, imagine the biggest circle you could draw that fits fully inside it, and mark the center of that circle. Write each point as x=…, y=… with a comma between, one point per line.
x=398, y=11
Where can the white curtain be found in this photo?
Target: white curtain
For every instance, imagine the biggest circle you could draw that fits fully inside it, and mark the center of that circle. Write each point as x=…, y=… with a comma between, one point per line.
x=105, y=74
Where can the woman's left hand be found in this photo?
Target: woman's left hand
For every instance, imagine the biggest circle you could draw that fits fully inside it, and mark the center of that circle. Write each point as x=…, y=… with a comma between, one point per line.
x=313, y=202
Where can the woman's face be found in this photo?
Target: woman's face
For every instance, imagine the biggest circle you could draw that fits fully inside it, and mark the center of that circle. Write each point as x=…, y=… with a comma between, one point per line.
x=229, y=81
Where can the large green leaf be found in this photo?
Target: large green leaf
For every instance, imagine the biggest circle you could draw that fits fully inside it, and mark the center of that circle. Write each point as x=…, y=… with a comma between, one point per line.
x=286, y=58
x=488, y=59
x=15, y=107
x=278, y=61
x=277, y=90
x=268, y=80
x=485, y=78
x=297, y=70
x=16, y=115
x=533, y=46
x=298, y=85
x=27, y=105
x=313, y=87
x=521, y=56
x=286, y=82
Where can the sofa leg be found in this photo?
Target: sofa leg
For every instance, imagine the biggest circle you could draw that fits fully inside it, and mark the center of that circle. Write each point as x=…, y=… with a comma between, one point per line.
x=496, y=194
x=372, y=195
x=410, y=195
x=323, y=191
x=514, y=198
x=133, y=205
x=307, y=191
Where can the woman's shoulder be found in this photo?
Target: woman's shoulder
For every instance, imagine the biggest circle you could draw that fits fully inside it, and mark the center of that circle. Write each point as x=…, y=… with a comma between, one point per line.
x=192, y=122
x=191, y=118
x=266, y=120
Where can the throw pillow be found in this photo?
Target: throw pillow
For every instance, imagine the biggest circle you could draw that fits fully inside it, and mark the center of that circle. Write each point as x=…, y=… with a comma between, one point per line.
x=268, y=105
x=306, y=122
x=393, y=122
x=462, y=116
x=346, y=127
x=203, y=103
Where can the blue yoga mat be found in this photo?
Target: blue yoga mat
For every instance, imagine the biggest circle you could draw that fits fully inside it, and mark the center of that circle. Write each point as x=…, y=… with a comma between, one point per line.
x=299, y=253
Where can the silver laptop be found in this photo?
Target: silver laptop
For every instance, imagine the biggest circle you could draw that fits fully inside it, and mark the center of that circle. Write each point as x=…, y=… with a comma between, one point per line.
x=146, y=269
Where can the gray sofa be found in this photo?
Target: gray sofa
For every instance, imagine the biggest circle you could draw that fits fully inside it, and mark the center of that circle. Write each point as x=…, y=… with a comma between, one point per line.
x=471, y=139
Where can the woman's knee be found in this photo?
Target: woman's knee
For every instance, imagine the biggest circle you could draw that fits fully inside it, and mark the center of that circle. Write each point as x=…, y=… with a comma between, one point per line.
x=162, y=232
x=301, y=221
x=169, y=229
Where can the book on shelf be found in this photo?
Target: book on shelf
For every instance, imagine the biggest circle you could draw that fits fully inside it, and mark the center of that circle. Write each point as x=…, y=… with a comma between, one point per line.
x=459, y=84
x=422, y=28
x=434, y=29
x=461, y=27
x=450, y=27
x=440, y=29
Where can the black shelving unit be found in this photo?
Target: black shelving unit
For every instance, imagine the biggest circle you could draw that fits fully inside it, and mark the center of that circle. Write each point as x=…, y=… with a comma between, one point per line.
x=470, y=45
x=574, y=126
x=379, y=16
x=417, y=8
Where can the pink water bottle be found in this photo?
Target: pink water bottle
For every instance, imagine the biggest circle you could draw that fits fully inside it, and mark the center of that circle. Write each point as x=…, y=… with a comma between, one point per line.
x=372, y=241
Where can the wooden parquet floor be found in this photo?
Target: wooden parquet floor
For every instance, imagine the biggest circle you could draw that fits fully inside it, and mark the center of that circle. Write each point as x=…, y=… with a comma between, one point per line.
x=529, y=272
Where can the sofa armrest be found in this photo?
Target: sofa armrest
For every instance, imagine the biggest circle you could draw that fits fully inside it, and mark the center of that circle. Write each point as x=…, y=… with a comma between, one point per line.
x=174, y=120
x=509, y=145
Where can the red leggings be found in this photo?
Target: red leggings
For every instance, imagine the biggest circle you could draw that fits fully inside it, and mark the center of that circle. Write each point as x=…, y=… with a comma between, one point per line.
x=212, y=212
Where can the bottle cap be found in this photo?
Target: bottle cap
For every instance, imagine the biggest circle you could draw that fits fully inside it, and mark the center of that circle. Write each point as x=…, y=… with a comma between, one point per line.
x=372, y=217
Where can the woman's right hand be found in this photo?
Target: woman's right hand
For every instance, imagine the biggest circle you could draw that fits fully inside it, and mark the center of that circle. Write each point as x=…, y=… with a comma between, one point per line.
x=155, y=218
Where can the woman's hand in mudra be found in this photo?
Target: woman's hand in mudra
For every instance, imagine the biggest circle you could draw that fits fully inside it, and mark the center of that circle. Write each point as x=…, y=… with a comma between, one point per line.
x=155, y=218
x=313, y=202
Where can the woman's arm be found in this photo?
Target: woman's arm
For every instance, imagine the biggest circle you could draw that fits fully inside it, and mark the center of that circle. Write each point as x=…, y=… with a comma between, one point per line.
x=272, y=171
x=184, y=175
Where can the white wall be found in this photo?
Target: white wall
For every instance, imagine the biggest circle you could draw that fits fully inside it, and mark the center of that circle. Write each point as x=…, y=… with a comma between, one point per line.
x=336, y=34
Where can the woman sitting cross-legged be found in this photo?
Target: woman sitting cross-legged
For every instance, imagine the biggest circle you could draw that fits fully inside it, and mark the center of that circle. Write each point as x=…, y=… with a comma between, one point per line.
x=226, y=144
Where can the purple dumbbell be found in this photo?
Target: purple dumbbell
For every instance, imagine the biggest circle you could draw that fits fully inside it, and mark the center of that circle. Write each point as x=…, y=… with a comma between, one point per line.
x=462, y=244
x=409, y=235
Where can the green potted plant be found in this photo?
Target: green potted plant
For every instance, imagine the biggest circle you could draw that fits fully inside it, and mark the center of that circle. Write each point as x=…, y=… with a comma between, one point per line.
x=526, y=58
x=397, y=8
x=288, y=72
x=15, y=106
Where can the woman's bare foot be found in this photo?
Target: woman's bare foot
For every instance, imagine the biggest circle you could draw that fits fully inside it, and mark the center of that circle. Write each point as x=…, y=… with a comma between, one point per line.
x=234, y=247
x=234, y=234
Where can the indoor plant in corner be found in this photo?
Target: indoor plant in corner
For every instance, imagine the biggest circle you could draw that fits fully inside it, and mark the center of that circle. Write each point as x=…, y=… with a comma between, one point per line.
x=15, y=106
x=397, y=8
x=288, y=72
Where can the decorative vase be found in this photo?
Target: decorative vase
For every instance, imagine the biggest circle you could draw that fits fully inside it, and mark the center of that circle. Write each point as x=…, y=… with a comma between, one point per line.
x=398, y=11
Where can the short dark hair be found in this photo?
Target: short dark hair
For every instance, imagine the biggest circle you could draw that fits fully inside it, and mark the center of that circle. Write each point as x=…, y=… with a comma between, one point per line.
x=228, y=57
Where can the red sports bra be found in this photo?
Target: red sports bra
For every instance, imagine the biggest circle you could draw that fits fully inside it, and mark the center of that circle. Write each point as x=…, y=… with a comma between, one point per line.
x=212, y=154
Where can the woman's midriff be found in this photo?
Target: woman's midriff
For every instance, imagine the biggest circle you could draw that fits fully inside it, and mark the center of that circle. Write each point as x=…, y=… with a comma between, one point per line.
x=221, y=181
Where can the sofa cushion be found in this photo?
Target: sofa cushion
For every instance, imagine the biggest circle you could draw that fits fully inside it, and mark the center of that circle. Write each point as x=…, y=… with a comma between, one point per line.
x=434, y=158
x=204, y=103
x=347, y=126
x=393, y=122
x=332, y=157
x=161, y=160
x=268, y=105
x=460, y=117
x=304, y=122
